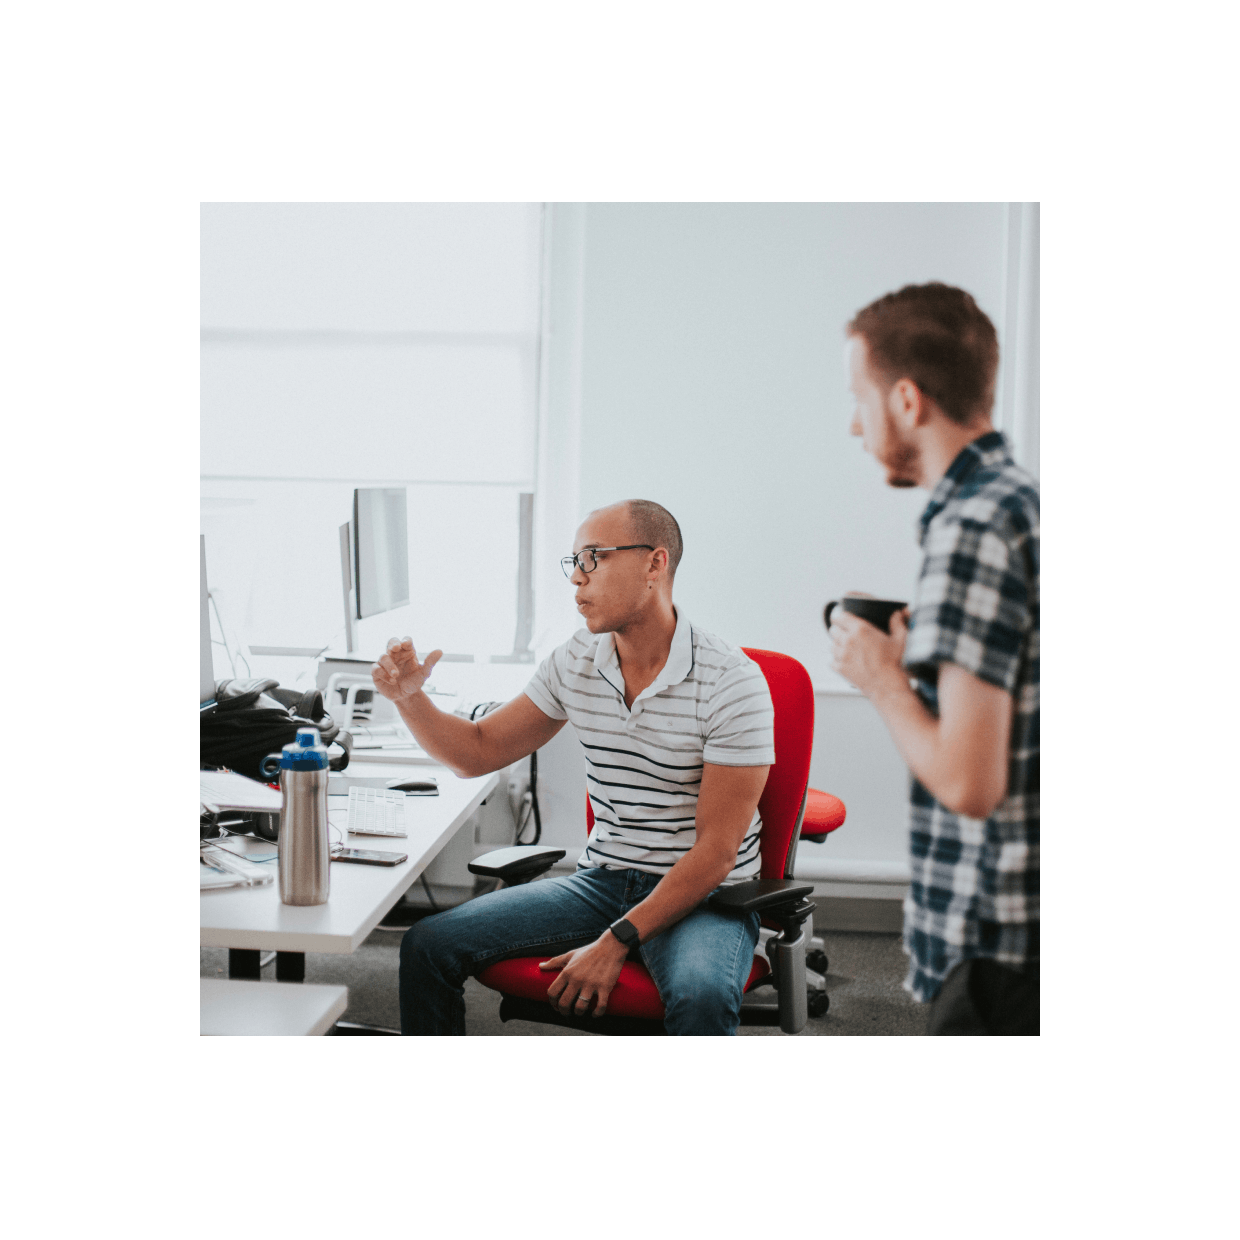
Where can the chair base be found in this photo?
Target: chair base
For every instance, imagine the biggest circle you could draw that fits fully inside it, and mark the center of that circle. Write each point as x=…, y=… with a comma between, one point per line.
x=766, y=1011
x=541, y=1012
x=752, y=1014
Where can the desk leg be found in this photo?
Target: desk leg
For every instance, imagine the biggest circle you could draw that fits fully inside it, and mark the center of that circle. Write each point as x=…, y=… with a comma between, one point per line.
x=243, y=963
x=290, y=966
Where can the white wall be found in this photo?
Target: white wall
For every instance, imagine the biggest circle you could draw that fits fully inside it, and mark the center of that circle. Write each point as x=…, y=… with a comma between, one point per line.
x=713, y=382
x=706, y=372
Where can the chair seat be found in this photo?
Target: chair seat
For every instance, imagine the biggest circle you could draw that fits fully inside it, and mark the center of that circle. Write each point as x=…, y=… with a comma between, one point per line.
x=635, y=993
x=823, y=814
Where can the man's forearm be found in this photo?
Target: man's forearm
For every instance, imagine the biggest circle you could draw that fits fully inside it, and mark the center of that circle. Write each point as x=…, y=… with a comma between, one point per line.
x=448, y=739
x=916, y=733
x=961, y=757
x=681, y=890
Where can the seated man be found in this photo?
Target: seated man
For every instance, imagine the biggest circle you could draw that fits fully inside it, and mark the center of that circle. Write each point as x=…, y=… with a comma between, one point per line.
x=677, y=731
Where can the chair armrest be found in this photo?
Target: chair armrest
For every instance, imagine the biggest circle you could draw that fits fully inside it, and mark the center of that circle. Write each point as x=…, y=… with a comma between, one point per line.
x=760, y=895
x=784, y=901
x=517, y=864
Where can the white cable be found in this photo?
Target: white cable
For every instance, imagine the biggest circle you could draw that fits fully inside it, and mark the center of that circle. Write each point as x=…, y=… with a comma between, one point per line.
x=234, y=645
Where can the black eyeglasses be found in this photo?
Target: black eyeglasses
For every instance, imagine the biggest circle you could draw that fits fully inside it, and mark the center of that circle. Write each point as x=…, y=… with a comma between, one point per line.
x=587, y=560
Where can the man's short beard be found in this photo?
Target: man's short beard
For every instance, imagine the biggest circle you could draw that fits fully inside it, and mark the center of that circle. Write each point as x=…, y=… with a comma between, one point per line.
x=901, y=459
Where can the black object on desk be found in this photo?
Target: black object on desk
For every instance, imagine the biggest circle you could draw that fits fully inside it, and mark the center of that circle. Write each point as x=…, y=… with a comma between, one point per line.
x=416, y=787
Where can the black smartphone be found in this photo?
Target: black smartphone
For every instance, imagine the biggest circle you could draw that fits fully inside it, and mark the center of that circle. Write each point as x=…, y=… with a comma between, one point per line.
x=366, y=856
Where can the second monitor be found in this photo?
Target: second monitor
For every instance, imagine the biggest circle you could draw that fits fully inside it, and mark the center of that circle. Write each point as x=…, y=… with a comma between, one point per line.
x=380, y=550
x=374, y=556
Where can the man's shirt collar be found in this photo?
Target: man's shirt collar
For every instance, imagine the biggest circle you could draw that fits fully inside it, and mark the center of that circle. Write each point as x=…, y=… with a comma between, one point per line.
x=988, y=449
x=679, y=661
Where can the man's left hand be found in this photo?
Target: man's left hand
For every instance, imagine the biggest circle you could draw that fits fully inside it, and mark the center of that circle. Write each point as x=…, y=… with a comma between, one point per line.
x=865, y=655
x=588, y=973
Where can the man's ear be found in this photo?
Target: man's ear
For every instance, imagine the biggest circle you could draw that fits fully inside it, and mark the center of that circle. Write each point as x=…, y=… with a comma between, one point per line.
x=909, y=406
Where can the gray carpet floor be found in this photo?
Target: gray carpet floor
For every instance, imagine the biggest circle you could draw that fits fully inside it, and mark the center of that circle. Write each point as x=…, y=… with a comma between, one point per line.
x=864, y=982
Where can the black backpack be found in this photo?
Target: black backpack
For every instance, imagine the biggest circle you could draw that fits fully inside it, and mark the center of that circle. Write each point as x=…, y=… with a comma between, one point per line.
x=252, y=718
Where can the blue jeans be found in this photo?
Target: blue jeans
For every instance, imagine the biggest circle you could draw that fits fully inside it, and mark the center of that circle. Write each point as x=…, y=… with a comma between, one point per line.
x=699, y=965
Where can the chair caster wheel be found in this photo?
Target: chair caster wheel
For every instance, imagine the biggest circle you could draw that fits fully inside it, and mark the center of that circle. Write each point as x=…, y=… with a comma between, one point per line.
x=817, y=1002
x=817, y=961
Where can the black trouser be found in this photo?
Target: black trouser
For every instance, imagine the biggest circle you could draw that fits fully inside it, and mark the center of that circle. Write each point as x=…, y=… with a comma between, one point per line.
x=985, y=997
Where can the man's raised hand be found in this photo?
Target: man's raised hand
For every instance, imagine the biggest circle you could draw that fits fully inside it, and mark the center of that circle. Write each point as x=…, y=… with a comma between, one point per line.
x=398, y=674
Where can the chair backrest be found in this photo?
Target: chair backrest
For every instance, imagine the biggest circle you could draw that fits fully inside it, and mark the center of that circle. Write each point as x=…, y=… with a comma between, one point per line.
x=783, y=799
x=782, y=803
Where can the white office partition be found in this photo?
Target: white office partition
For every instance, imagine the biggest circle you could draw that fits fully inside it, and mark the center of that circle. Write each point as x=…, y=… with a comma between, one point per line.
x=1019, y=388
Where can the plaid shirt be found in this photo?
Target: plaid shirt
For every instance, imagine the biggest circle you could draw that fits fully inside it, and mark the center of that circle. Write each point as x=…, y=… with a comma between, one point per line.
x=974, y=889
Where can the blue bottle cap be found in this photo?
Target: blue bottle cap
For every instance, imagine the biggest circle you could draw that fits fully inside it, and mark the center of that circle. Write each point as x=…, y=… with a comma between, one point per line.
x=307, y=753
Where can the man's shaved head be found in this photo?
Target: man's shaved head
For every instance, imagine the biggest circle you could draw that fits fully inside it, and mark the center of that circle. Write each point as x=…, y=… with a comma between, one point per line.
x=654, y=525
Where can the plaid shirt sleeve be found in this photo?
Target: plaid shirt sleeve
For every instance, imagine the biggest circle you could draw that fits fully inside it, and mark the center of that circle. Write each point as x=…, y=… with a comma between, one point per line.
x=973, y=604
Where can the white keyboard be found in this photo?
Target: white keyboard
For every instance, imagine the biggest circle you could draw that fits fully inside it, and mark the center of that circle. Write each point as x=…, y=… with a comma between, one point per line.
x=377, y=811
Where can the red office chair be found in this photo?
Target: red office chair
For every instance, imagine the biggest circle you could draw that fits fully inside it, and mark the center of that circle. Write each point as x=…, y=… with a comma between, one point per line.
x=635, y=1006
x=823, y=814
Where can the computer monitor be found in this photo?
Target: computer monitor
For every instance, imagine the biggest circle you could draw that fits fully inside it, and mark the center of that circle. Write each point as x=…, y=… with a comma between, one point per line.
x=374, y=555
x=380, y=550
x=206, y=674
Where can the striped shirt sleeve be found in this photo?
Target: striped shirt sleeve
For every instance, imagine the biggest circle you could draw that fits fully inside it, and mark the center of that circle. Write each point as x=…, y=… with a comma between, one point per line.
x=547, y=683
x=740, y=729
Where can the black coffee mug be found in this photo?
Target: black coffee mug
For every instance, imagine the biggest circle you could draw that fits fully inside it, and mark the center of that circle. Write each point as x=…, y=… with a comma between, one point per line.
x=878, y=611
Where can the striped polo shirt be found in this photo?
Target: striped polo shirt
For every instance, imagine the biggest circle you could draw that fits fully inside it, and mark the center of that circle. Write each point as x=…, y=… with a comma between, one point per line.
x=710, y=703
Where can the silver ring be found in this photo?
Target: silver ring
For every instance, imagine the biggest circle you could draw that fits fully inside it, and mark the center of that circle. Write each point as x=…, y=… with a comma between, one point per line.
x=582, y=999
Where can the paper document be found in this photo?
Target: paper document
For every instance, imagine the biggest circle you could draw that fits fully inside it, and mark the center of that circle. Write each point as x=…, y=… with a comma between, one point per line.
x=228, y=790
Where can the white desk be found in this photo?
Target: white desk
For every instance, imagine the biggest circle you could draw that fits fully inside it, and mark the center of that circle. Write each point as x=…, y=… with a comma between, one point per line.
x=254, y=918
x=232, y=1008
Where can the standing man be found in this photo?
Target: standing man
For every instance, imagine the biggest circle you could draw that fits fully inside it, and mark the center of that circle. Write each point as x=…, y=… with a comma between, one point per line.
x=921, y=365
x=677, y=729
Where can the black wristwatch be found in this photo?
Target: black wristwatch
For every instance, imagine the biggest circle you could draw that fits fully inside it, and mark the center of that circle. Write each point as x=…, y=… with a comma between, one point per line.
x=626, y=932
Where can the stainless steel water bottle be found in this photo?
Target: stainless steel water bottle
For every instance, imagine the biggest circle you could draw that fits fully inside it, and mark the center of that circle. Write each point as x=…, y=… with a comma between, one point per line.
x=305, y=849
